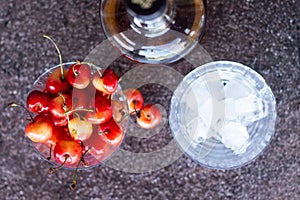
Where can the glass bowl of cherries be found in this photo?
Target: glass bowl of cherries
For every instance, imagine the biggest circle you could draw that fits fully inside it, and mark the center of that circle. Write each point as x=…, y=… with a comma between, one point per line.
x=77, y=115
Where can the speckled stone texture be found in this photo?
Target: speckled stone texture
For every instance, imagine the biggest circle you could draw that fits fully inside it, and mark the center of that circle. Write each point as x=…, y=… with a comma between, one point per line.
x=259, y=33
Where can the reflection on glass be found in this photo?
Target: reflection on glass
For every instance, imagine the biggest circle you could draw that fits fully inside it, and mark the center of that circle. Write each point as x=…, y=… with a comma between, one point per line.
x=153, y=31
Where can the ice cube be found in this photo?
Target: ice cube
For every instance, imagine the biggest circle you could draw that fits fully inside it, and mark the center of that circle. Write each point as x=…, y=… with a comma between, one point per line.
x=235, y=88
x=246, y=109
x=234, y=136
x=210, y=114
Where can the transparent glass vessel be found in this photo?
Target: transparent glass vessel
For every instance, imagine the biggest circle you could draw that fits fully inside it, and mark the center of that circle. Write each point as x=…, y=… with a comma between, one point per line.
x=95, y=156
x=153, y=31
x=223, y=115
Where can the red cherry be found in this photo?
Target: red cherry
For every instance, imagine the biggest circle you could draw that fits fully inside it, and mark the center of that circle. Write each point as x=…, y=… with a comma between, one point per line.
x=60, y=105
x=38, y=102
x=67, y=151
x=59, y=121
x=107, y=96
x=150, y=116
x=111, y=131
x=57, y=82
x=107, y=83
x=79, y=75
x=99, y=147
x=135, y=100
x=102, y=110
x=58, y=134
x=40, y=129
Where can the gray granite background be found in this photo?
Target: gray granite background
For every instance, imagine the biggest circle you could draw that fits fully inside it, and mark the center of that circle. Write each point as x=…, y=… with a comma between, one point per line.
x=263, y=34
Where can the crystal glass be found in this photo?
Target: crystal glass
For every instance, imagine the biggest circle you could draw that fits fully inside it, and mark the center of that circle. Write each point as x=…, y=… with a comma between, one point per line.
x=94, y=159
x=223, y=115
x=153, y=31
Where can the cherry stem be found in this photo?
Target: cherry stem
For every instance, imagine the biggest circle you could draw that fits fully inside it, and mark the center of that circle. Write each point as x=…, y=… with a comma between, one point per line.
x=84, y=163
x=79, y=109
x=100, y=74
x=53, y=169
x=17, y=105
x=75, y=73
x=137, y=112
x=62, y=96
x=120, y=79
x=68, y=120
x=77, y=63
x=125, y=114
x=59, y=55
x=50, y=152
x=94, y=66
x=77, y=115
x=88, y=63
x=74, y=182
x=81, y=118
x=64, y=104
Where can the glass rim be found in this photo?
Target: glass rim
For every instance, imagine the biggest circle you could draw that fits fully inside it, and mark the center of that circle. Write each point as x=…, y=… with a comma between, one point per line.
x=36, y=144
x=201, y=71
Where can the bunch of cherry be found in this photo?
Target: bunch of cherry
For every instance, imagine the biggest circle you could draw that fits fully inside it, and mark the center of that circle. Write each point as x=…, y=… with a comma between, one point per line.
x=75, y=116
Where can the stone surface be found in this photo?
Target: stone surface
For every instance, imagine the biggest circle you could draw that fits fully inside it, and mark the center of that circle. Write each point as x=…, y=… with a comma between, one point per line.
x=260, y=34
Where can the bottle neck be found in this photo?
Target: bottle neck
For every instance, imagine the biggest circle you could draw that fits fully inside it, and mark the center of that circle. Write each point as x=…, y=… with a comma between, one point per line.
x=150, y=16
